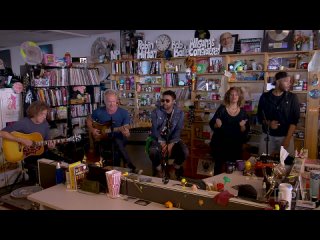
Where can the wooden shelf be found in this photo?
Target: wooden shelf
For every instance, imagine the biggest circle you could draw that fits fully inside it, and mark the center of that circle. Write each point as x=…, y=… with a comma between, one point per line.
x=247, y=81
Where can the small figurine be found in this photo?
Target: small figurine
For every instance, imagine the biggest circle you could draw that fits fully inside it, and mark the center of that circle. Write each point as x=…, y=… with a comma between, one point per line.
x=194, y=188
x=183, y=182
x=168, y=204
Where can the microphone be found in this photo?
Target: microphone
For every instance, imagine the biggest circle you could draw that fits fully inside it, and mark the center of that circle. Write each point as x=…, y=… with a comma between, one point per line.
x=111, y=124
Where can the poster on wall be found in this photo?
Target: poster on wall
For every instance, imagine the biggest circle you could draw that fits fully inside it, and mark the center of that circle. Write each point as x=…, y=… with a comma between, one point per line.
x=46, y=49
x=10, y=104
x=6, y=58
x=129, y=42
x=125, y=41
x=250, y=45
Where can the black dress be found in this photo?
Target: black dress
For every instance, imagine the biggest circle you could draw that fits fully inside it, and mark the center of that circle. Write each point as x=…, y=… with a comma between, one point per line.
x=226, y=142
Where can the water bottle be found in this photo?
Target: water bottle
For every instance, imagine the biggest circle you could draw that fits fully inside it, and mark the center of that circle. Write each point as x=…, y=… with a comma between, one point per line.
x=59, y=174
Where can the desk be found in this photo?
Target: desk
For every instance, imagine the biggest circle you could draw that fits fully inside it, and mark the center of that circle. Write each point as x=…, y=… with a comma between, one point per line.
x=59, y=198
x=236, y=178
x=185, y=197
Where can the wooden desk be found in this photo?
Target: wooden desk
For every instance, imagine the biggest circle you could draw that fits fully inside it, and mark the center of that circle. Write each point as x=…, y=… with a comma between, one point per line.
x=185, y=197
x=59, y=198
x=236, y=178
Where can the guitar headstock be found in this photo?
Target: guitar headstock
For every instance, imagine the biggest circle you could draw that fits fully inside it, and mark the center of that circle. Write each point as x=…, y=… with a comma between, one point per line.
x=75, y=138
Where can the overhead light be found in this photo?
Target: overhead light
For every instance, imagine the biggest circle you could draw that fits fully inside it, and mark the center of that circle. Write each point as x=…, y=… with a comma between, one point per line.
x=69, y=33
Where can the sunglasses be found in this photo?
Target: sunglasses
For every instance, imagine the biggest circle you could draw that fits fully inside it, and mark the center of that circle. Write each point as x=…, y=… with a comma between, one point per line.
x=165, y=100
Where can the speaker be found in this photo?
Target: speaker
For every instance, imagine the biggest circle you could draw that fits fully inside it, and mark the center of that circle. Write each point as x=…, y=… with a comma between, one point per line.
x=47, y=172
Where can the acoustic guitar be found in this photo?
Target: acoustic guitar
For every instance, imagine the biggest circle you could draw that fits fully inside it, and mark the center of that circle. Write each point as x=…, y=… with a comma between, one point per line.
x=15, y=152
x=106, y=128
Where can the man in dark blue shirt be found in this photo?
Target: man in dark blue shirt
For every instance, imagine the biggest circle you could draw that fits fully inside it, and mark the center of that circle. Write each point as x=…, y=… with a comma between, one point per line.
x=279, y=113
x=119, y=120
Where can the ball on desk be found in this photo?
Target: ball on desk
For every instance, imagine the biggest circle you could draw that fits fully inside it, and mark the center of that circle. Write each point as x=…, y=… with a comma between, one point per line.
x=183, y=181
x=247, y=165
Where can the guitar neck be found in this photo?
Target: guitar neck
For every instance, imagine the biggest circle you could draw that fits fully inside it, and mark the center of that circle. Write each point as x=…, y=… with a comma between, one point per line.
x=55, y=141
x=117, y=129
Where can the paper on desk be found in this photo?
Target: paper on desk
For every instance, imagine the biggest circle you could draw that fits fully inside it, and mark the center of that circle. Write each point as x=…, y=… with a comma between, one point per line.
x=283, y=155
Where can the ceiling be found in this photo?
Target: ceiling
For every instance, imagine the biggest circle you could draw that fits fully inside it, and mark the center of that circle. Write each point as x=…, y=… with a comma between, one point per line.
x=12, y=38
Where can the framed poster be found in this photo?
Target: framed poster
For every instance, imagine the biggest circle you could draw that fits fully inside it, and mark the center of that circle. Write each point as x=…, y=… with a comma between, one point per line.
x=250, y=45
x=6, y=58
x=228, y=43
x=46, y=49
x=278, y=40
x=125, y=41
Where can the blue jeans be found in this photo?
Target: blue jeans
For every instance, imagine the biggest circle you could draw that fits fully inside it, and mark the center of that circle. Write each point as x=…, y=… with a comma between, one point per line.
x=274, y=145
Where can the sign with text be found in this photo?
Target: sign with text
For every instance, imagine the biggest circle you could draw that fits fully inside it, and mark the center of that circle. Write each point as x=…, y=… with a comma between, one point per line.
x=203, y=47
x=145, y=50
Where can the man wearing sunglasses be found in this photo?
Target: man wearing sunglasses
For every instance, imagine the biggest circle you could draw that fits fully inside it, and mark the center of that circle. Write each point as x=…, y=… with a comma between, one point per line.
x=167, y=123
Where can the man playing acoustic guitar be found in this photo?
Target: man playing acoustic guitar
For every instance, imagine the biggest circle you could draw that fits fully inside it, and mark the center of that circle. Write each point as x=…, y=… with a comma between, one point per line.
x=35, y=122
x=118, y=119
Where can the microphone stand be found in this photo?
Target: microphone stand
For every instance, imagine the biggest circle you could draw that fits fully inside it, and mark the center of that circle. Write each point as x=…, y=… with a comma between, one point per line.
x=165, y=178
x=267, y=139
x=112, y=141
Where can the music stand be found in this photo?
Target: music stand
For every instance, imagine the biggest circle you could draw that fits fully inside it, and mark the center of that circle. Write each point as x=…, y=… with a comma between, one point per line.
x=112, y=140
x=267, y=139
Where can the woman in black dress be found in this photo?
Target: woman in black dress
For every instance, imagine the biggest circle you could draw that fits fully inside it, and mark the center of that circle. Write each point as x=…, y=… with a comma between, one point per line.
x=230, y=128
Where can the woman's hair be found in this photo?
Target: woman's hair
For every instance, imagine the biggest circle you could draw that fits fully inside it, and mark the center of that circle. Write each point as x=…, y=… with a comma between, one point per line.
x=226, y=99
x=170, y=93
x=35, y=108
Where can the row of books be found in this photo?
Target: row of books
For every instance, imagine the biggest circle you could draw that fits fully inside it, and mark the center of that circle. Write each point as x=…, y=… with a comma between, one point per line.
x=53, y=97
x=149, y=67
x=127, y=67
x=82, y=110
x=84, y=76
x=52, y=77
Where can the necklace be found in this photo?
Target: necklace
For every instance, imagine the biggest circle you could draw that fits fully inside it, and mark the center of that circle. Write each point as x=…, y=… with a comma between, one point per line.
x=233, y=111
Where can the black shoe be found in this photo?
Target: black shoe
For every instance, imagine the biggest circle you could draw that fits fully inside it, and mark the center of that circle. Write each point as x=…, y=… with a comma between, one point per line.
x=134, y=169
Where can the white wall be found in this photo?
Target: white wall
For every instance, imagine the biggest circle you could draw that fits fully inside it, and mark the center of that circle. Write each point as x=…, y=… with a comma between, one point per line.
x=80, y=47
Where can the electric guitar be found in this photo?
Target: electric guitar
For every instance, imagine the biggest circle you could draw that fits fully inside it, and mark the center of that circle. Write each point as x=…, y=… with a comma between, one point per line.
x=106, y=128
x=15, y=152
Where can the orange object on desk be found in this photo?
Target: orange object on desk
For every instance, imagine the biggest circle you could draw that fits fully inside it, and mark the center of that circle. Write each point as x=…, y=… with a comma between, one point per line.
x=259, y=166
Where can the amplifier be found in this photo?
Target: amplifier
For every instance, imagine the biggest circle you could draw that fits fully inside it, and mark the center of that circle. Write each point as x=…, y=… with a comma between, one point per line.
x=47, y=172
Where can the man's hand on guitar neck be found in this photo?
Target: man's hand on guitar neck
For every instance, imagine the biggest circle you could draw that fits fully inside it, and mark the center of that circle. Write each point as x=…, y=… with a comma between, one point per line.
x=51, y=144
x=125, y=130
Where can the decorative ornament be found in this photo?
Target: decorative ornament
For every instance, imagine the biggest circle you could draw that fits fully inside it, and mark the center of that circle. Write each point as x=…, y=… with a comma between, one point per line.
x=17, y=87
x=168, y=204
x=31, y=53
